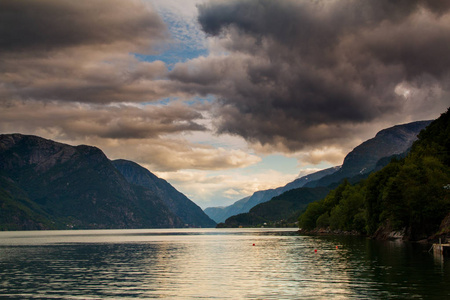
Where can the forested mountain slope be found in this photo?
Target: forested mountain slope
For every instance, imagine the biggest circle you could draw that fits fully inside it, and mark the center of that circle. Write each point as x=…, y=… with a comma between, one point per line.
x=410, y=196
x=49, y=185
x=361, y=161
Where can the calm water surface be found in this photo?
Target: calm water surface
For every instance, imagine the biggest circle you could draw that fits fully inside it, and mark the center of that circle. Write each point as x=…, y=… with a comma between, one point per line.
x=214, y=264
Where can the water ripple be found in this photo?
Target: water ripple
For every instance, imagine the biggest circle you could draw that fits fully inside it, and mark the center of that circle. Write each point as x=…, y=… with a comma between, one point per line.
x=212, y=264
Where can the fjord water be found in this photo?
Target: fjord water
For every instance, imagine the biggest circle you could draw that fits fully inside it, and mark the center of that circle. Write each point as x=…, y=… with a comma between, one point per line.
x=214, y=264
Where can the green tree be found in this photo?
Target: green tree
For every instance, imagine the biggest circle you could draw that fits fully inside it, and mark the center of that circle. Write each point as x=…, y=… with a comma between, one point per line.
x=308, y=219
x=409, y=193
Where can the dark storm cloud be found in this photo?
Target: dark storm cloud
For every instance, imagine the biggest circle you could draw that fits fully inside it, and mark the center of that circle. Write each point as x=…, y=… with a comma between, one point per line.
x=303, y=73
x=48, y=24
x=80, y=51
x=287, y=74
x=68, y=71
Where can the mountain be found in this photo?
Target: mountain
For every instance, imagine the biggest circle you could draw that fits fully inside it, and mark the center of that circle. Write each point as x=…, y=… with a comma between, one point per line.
x=284, y=209
x=177, y=202
x=220, y=214
x=409, y=198
x=49, y=185
x=280, y=210
x=18, y=212
x=364, y=158
x=358, y=164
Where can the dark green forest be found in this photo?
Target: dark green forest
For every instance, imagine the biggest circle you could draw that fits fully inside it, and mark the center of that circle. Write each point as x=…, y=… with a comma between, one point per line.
x=411, y=194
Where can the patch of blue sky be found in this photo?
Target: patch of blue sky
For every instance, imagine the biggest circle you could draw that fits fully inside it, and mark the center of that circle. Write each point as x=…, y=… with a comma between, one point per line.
x=173, y=55
x=202, y=99
x=276, y=162
x=163, y=101
x=285, y=165
x=191, y=101
x=188, y=40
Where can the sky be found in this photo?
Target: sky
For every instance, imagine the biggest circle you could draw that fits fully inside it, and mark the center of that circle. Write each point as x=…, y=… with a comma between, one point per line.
x=222, y=98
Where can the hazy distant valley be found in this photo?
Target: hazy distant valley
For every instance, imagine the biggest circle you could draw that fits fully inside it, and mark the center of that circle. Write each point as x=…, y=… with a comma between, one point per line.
x=359, y=163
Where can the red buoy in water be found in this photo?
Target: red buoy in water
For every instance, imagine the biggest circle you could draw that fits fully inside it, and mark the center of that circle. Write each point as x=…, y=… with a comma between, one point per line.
x=315, y=250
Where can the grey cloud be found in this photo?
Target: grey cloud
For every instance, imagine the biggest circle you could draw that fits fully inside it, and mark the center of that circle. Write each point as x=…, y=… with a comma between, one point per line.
x=44, y=25
x=296, y=74
x=71, y=121
x=172, y=155
x=80, y=51
x=139, y=133
x=79, y=78
x=420, y=45
x=304, y=73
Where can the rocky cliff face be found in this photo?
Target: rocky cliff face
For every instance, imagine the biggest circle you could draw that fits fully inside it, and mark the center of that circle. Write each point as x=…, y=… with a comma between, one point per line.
x=21, y=151
x=191, y=214
x=53, y=185
x=364, y=158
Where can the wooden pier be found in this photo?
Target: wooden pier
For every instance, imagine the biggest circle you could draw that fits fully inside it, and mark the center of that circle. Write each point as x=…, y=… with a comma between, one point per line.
x=441, y=249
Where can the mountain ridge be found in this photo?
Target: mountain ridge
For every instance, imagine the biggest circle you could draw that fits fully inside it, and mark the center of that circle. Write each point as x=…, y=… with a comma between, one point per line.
x=59, y=186
x=408, y=199
x=177, y=202
x=220, y=214
x=361, y=160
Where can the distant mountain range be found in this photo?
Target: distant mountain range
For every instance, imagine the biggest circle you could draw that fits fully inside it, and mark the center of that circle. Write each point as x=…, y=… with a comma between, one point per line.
x=220, y=214
x=365, y=158
x=280, y=211
x=49, y=185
